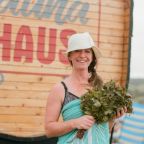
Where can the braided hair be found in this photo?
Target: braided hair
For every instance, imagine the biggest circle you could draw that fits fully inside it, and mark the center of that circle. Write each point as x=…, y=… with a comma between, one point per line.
x=95, y=80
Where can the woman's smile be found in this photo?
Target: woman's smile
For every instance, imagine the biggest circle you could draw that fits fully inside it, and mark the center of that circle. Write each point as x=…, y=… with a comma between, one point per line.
x=82, y=60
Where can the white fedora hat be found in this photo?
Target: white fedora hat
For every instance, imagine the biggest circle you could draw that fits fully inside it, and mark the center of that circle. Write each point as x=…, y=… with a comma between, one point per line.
x=80, y=41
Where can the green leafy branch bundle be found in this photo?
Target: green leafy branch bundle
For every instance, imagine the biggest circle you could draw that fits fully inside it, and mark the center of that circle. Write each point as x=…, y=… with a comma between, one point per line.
x=102, y=103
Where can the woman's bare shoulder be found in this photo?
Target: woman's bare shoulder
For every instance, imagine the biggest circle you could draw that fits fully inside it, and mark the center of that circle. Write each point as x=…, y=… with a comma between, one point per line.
x=58, y=87
x=57, y=91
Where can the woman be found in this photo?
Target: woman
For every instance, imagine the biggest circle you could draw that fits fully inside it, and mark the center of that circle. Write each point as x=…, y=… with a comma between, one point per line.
x=65, y=96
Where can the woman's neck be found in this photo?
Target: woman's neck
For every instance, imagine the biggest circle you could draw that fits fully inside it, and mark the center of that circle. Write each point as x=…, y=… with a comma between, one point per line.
x=81, y=77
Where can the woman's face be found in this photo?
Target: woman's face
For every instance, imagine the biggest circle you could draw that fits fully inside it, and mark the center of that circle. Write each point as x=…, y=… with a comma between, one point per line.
x=81, y=59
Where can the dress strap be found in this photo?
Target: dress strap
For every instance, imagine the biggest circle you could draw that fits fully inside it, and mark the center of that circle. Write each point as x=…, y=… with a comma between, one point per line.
x=66, y=91
x=65, y=87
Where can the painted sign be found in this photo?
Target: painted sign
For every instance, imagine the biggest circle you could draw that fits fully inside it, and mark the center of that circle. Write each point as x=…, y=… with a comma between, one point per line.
x=34, y=34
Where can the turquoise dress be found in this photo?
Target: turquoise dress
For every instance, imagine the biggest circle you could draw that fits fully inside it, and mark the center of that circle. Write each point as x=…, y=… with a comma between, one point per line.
x=97, y=134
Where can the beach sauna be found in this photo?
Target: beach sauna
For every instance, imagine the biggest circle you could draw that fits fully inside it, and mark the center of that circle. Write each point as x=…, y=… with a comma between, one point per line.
x=33, y=40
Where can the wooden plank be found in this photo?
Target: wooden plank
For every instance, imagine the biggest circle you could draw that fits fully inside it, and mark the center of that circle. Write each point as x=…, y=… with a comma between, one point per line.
x=114, y=11
x=13, y=127
x=127, y=19
x=25, y=69
x=111, y=32
x=29, y=94
x=112, y=54
x=125, y=62
x=107, y=24
x=125, y=55
x=126, y=48
x=22, y=102
x=127, y=12
x=110, y=61
x=21, y=119
x=108, y=68
x=17, y=110
x=126, y=33
x=108, y=39
x=126, y=40
x=35, y=63
x=111, y=46
x=25, y=86
x=125, y=69
x=113, y=3
x=31, y=78
x=112, y=17
x=127, y=26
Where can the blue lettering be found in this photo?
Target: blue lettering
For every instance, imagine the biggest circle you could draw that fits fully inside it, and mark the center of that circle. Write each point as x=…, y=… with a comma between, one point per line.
x=45, y=11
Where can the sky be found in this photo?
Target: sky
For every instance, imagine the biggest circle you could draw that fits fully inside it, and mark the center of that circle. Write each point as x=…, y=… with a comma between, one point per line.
x=137, y=49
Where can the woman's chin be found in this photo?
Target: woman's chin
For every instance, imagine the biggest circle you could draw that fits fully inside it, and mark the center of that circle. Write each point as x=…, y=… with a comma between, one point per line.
x=82, y=67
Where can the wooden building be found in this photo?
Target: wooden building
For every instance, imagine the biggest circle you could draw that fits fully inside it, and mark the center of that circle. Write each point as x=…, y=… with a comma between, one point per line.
x=33, y=39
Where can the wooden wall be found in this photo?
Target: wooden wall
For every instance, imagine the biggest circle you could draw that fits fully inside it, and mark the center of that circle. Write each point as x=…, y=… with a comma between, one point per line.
x=33, y=39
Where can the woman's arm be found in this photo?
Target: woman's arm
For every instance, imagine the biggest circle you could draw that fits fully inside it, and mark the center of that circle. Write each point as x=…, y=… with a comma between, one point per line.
x=53, y=126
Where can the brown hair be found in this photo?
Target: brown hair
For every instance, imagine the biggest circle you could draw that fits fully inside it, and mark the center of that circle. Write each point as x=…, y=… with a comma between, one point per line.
x=95, y=80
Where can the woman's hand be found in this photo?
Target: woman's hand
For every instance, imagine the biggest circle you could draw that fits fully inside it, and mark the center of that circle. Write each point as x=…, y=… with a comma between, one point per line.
x=120, y=112
x=84, y=122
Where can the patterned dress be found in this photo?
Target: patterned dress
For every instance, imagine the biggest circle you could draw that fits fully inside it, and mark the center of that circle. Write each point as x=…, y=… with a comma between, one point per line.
x=97, y=134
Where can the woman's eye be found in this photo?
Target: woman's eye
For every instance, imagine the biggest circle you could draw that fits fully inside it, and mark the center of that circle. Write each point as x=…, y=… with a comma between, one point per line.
x=77, y=50
x=88, y=51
